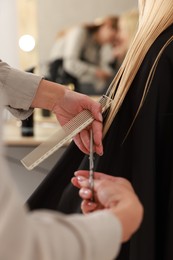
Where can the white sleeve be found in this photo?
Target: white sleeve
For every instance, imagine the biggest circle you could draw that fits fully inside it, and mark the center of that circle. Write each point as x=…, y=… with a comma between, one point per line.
x=19, y=88
x=96, y=236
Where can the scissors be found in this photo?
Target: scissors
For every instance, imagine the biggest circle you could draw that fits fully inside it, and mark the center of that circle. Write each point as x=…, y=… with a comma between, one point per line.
x=91, y=165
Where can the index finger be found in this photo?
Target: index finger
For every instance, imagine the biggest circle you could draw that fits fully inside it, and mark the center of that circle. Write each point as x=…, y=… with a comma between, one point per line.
x=103, y=176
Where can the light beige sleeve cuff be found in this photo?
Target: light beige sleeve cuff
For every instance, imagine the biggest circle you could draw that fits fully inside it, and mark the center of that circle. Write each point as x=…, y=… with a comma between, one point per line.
x=104, y=233
x=20, y=88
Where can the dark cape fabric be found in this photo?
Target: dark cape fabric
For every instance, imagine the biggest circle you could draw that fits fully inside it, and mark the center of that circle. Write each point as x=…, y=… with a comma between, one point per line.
x=145, y=157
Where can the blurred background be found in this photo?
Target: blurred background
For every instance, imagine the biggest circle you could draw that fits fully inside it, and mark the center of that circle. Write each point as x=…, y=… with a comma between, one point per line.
x=42, y=19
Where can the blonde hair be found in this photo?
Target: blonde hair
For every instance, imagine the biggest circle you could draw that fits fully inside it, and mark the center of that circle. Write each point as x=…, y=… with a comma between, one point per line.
x=154, y=17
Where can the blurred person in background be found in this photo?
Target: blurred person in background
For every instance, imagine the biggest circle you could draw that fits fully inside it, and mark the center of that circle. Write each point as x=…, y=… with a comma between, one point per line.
x=128, y=24
x=115, y=54
x=76, y=56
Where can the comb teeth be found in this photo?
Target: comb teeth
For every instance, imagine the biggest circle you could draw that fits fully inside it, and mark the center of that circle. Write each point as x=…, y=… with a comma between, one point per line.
x=62, y=136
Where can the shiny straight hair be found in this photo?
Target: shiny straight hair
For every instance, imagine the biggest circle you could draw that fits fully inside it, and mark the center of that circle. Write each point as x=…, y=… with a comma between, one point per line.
x=154, y=17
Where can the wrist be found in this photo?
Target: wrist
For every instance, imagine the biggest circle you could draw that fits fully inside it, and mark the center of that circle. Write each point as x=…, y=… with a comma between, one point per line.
x=48, y=95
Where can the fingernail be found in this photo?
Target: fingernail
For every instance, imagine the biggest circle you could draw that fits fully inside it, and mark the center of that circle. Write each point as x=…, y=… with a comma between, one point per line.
x=100, y=117
x=100, y=153
x=81, y=178
x=85, y=191
x=89, y=203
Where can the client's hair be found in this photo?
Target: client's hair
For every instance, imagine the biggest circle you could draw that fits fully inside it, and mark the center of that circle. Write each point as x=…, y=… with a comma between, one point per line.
x=154, y=17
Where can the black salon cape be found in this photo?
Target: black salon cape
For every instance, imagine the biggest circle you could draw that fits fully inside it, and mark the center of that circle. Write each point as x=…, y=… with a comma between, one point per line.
x=145, y=157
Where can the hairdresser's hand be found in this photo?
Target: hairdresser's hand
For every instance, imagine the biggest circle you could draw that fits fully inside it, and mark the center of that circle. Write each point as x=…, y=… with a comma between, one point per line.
x=72, y=104
x=66, y=104
x=112, y=193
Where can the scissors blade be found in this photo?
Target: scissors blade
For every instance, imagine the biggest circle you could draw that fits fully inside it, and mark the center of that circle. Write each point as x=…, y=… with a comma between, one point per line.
x=91, y=163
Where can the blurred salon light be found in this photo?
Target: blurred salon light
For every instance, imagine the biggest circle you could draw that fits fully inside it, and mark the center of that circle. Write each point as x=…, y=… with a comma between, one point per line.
x=27, y=43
